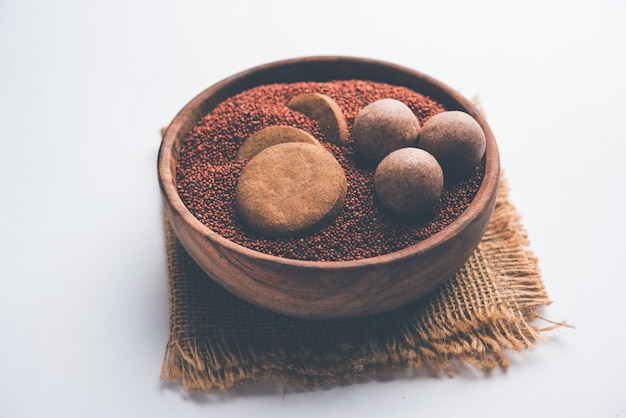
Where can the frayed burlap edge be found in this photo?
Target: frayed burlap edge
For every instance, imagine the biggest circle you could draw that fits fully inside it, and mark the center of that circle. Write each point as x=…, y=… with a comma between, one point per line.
x=438, y=339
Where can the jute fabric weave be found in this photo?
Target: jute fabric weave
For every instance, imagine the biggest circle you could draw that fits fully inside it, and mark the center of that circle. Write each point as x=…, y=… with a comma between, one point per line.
x=488, y=308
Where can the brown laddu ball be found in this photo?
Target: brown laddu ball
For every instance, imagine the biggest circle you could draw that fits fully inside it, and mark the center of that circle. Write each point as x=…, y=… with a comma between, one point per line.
x=382, y=127
x=408, y=182
x=455, y=139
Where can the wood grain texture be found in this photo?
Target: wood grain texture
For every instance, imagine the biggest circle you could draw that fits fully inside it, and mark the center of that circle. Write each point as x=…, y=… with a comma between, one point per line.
x=327, y=289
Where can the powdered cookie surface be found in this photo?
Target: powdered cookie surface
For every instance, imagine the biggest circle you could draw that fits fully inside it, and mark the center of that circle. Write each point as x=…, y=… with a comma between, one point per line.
x=273, y=135
x=290, y=189
x=326, y=112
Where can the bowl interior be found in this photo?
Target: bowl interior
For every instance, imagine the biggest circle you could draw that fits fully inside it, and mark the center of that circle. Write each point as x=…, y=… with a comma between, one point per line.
x=317, y=69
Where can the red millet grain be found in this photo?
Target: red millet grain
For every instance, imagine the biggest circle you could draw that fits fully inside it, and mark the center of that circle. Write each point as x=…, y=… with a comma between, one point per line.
x=207, y=174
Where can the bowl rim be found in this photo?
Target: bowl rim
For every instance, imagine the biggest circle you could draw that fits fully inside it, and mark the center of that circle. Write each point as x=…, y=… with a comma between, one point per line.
x=167, y=181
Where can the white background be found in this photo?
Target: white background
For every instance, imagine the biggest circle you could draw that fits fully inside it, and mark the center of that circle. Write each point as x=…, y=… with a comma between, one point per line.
x=85, y=87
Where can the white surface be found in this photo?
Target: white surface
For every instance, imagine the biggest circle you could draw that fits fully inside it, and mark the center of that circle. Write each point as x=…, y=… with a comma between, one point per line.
x=85, y=87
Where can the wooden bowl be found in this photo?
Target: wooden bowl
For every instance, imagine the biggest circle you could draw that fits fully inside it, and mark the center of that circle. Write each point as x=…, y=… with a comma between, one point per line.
x=342, y=289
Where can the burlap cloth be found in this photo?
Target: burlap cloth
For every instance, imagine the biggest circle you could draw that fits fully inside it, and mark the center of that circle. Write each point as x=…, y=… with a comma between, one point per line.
x=217, y=341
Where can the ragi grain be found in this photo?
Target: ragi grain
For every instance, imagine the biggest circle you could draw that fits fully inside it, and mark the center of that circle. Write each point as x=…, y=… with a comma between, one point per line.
x=207, y=173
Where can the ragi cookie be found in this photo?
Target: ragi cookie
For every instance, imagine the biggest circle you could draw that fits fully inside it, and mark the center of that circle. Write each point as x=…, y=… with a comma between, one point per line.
x=290, y=189
x=270, y=136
